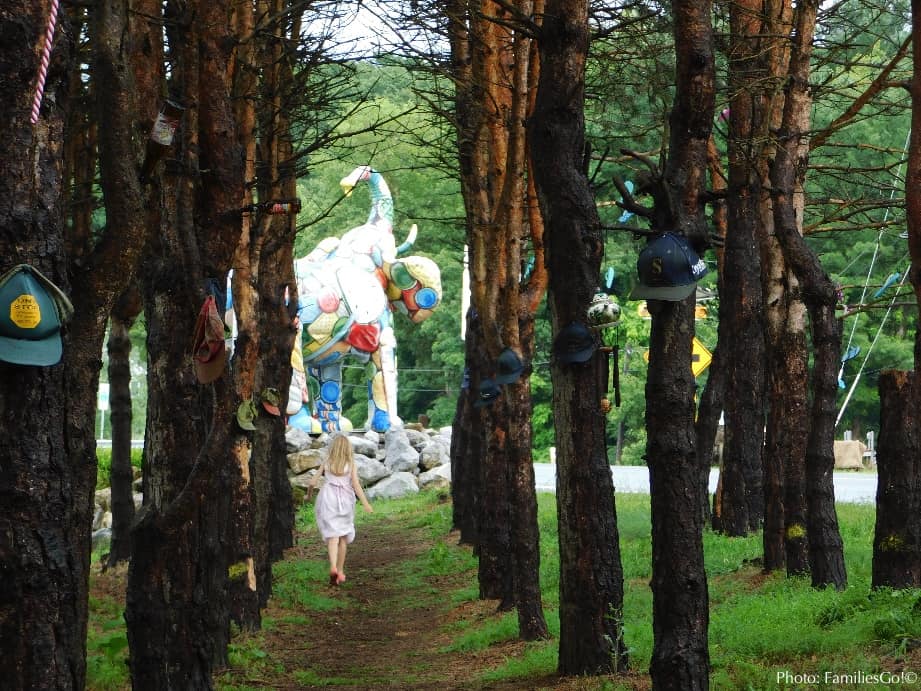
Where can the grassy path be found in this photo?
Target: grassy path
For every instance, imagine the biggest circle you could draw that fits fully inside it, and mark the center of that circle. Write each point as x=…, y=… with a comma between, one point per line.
x=391, y=625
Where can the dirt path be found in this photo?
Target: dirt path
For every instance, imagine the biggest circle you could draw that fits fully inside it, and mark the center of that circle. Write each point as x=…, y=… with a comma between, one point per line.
x=389, y=631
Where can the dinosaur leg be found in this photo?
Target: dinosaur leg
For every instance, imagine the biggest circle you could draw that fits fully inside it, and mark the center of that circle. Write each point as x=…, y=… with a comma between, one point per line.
x=378, y=415
x=388, y=365
x=328, y=407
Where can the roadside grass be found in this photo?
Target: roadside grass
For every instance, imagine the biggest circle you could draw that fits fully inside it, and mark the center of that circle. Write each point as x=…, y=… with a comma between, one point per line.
x=764, y=630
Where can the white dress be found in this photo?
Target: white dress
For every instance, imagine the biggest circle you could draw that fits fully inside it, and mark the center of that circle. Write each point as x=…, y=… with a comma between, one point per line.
x=335, y=507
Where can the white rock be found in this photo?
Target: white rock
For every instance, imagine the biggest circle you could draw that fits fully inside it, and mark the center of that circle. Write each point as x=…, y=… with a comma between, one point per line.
x=434, y=454
x=138, y=500
x=297, y=439
x=363, y=446
x=436, y=477
x=399, y=456
x=417, y=438
x=370, y=470
x=393, y=487
x=106, y=521
x=373, y=436
x=446, y=433
x=303, y=480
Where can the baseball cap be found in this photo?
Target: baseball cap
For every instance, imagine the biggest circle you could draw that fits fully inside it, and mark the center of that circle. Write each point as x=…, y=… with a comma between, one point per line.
x=574, y=343
x=509, y=367
x=32, y=310
x=208, y=351
x=489, y=392
x=668, y=269
x=246, y=413
x=271, y=399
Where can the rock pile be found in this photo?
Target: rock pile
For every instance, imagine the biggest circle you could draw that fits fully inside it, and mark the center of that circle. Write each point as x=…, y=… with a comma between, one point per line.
x=392, y=465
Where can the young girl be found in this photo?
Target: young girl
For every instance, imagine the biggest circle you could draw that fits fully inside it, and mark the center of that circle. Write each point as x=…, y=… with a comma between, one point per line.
x=335, y=507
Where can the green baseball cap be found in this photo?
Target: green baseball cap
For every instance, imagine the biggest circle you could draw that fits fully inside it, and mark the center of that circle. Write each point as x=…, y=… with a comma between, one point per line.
x=32, y=310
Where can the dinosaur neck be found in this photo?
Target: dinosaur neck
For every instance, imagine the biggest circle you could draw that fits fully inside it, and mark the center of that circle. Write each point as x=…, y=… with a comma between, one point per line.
x=381, y=200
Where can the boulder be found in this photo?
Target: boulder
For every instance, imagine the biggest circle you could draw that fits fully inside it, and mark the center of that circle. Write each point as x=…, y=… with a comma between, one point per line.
x=370, y=470
x=434, y=454
x=417, y=438
x=303, y=480
x=363, y=446
x=306, y=459
x=436, y=477
x=399, y=455
x=103, y=498
x=393, y=487
x=445, y=433
x=297, y=439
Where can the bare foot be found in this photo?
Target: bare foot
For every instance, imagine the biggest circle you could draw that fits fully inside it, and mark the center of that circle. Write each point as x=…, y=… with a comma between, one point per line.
x=334, y=577
x=340, y=579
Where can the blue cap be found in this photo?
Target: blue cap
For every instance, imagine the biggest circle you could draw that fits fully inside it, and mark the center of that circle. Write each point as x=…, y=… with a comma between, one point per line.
x=668, y=269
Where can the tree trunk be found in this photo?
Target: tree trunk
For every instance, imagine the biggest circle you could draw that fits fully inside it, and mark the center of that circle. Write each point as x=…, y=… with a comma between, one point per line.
x=741, y=306
x=495, y=66
x=897, y=537
x=680, y=656
x=121, y=473
x=525, y=530
x=465, y=447
x=496, y=571
x=826, y=554
x=591, y=576
x=44, y=525
x=177, y=606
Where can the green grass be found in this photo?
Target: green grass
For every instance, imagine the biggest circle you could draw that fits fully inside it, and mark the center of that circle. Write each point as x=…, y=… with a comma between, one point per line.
x=761, y=626
x=104, y=462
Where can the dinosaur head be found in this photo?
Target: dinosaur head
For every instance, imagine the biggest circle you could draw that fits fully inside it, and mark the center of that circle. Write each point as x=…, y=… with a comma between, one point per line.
x=414, y=287
x=349, y=182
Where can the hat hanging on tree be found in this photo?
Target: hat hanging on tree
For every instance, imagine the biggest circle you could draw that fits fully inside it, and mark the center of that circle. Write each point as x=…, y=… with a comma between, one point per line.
x=32, y=310
x=509, y=367
x=208, y=349
x=668, y=269
x=574, y=343
x=489, y=392
x=271, y=399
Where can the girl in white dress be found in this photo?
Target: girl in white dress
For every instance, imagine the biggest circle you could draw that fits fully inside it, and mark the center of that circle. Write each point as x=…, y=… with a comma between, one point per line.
x=335, y=506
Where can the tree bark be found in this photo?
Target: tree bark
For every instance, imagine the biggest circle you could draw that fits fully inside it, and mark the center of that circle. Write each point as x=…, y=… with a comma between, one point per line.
x=177, y=605
x=680, y=656
x=897, y=536
x=826, y=555
x=465, y=447
x=121, y=473
x=494, y=65
x=44, y=525
x=591, y=576
x=741, y=307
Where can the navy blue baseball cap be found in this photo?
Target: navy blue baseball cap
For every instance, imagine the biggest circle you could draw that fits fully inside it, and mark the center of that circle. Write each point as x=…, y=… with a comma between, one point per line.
x=668, y=269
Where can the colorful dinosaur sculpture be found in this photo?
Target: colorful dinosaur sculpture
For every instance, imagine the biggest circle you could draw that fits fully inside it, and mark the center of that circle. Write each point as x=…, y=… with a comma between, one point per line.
x=348, y=288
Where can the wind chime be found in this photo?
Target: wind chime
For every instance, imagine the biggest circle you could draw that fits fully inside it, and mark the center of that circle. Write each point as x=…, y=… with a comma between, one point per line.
x=604, y=317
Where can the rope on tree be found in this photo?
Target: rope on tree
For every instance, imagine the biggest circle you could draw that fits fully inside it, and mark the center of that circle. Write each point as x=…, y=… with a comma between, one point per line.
x=46, y=59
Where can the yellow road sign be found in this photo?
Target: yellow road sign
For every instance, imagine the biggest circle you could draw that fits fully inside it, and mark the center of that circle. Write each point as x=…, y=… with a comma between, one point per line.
x=700, y=311
x=700, y=357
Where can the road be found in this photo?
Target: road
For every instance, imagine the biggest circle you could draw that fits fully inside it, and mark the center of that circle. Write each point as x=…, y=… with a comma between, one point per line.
x=850, y=487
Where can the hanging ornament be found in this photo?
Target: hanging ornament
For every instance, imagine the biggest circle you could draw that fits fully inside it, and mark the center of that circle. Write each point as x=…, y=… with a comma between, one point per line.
x=603, y=312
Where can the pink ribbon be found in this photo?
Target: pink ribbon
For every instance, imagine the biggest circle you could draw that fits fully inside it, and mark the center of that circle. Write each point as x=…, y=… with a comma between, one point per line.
x=46, y=58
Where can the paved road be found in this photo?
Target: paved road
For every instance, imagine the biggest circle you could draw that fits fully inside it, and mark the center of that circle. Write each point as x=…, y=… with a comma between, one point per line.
x=850, y=487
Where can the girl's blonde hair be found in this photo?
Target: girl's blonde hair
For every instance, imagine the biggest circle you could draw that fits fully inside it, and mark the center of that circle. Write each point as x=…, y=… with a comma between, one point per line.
x=340, y=455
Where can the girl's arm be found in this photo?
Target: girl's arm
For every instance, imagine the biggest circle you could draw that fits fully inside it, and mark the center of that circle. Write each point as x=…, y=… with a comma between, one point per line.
x=359, y=492
x=315, y=480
